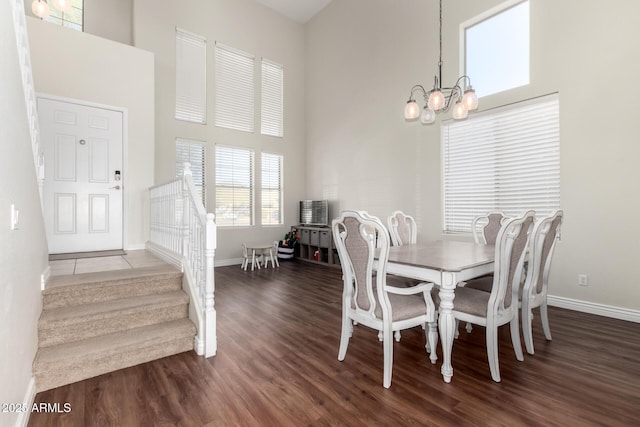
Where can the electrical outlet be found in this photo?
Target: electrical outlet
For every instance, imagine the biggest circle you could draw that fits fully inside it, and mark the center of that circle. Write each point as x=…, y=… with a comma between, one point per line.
x=583, y=280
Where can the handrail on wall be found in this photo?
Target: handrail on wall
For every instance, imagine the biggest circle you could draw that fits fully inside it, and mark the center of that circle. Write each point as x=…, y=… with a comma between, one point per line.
x=24, y=59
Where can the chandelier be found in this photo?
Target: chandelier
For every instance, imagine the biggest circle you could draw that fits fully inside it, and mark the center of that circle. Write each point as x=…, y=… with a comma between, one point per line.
x=40, y=8
x=461, y=96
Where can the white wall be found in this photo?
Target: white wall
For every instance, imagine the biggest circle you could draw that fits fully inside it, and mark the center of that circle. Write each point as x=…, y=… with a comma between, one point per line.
x=245, y=25
x=363, y=56
x=110, y=19
x=81, y=66
x=23, y=252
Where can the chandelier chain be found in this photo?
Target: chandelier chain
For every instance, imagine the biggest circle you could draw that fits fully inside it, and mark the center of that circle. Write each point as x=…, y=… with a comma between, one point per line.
x=440, y=58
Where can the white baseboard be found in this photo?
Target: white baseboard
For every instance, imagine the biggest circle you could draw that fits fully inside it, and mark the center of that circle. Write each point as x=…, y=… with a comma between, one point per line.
x=29, y=397
x=44, y=277
x=165, y=254
x=136, y=247
x=595, y=308
x=175, y=259
x=226, y=262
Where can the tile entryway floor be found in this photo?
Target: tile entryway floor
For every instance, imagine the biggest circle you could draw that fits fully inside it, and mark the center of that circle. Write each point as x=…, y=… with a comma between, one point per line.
x=132, y=260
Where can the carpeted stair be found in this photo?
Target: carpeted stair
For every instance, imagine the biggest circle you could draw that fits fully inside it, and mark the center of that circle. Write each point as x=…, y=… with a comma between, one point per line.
x=96, y=323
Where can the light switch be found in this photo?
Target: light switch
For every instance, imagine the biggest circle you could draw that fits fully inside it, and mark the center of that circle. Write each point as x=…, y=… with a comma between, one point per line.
x=15, y=217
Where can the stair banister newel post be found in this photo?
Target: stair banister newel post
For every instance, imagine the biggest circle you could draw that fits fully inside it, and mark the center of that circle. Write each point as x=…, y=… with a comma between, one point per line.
x=209, y=303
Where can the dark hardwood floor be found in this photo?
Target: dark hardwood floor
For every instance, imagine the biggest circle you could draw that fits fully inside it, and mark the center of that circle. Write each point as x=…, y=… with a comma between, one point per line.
x=278, y=336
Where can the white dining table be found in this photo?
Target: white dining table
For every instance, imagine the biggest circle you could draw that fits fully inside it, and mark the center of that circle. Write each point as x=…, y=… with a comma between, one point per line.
x=444, y=263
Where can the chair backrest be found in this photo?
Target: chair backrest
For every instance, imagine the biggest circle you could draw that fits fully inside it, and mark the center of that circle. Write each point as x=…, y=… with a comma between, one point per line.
x=402, y=228
x=355, y=235
x=544, y=236
x=485, y=228
x=511, y=244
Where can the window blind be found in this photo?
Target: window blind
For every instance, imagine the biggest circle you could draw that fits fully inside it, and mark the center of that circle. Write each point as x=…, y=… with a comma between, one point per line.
x=234, y=88
x=271, y=194
x=506, y=159
x=191, y=77
x=193, y=152
x=272, y=99
x=234, y=186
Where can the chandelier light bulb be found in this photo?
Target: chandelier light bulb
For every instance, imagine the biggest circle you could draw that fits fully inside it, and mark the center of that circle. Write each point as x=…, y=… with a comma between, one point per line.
x=428, y=116
x=62, y=5
x=40, y=8
x=436, y=100
x=411, y=110
x=470, y=99
x=459, y=112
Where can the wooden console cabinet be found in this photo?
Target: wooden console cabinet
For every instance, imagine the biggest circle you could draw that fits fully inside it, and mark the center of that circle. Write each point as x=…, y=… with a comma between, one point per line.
x=316, y=245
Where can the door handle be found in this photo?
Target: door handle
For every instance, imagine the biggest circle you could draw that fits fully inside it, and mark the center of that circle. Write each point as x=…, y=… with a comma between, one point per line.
x=117, y=187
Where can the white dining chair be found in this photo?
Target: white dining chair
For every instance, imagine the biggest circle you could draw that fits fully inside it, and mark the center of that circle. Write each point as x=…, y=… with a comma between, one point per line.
x=403, y=231
x=544, y=237
x=485, y=230
x=485, y=227
x=402, y=228
x=367, y=299
x=500, y=306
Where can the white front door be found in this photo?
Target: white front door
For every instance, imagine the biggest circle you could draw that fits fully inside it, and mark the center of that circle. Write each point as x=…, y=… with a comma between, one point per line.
x=83, y=188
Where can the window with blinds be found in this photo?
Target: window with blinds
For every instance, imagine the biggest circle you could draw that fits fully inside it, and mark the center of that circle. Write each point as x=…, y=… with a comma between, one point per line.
x=271, y=122
x=234, y=186
x=271, y=194
x=191, y=77
x=193, y=152
x=506, y=159
x=234, y=88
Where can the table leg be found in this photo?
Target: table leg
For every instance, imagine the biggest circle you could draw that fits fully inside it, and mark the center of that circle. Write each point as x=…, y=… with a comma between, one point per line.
x=446, y=322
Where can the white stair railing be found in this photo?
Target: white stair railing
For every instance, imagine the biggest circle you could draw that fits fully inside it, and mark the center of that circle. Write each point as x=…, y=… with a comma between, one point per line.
x=182, y=233
x=24, y=59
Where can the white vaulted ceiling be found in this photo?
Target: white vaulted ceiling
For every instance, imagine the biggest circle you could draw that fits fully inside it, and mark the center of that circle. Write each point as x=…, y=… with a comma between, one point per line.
x=298, y=10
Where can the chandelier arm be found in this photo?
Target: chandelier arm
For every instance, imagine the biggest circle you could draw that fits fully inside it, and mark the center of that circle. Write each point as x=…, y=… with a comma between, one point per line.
x=413, y=89
x=416, y=87
x=456, y=93
x=467, y=80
